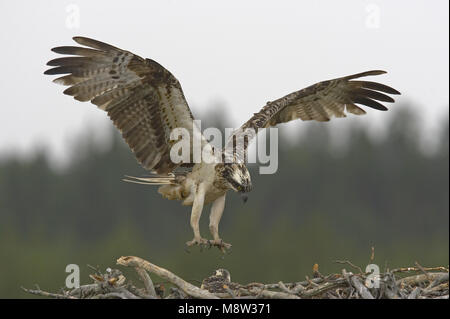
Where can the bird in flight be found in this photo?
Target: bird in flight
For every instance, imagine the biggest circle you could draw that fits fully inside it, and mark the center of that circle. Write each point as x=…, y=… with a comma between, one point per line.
x=146, y=103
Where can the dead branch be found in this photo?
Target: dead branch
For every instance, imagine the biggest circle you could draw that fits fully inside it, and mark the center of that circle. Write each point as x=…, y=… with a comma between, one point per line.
x=350, y=264
x=360, y=288
x=419, y=279
x=148, y=283
x=39, y=292
x=189, y=289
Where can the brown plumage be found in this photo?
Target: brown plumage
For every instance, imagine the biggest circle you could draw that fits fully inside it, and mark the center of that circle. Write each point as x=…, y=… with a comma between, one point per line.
x=319, y=102
x=143, y=99
x=146, y=103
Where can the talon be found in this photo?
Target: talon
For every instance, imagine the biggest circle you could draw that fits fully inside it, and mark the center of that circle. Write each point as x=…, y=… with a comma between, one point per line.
x=197, y=241
x=219, y=243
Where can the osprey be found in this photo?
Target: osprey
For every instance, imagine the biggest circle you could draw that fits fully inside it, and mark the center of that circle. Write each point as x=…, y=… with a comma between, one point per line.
x=219, y=281
x=146, y=103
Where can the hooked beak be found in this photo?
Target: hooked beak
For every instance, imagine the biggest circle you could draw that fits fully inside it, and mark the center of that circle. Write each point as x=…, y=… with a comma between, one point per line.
x=244, y=198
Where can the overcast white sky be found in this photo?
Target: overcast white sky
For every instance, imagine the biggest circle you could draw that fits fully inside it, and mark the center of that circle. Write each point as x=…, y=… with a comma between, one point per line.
x=243, y=53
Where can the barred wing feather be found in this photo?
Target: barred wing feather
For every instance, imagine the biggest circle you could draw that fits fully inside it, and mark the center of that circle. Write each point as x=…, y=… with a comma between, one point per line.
x=142, y=98
x=319, y=102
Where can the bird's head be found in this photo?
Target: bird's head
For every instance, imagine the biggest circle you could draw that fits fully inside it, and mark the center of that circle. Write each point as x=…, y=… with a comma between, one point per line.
x=223, y=274
x=237, y=177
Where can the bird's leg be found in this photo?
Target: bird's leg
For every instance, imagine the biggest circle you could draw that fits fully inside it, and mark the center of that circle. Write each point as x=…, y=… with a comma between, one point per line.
x=214, y=220
x=196, y=213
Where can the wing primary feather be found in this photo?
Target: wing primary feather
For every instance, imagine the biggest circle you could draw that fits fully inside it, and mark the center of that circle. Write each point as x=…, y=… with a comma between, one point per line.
x=320, y=102
x=69, y=61
x=73, y=50
x=369, y=102
x=62, y=70
x=375, y=86
x=95, y=44
x=138, y=95
x=367, y=73
x=373, y=95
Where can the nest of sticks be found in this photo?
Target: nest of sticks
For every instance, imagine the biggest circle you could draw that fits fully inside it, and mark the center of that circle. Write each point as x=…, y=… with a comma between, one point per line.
x=402, y=283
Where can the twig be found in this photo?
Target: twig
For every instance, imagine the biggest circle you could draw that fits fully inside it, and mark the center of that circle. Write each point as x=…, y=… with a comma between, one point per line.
x=438, y=281
x=298, y=289
x=372, y=255
x=350, y=264
x=441, y=297
x=360, y=288
x=86, y=290
x=391, y=286
x=422, y=270
x=311, y=282
x=436, y=291
x=40, y=292
x=292, y=284
x=414, y=293
x=408, y=269
x=284, y=288
x=322, y=288
x=95, y=269
x=418, y=279
x=268, y=294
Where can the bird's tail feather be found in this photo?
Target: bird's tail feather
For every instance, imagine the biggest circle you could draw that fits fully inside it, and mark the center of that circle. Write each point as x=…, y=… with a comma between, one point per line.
x=152, y=180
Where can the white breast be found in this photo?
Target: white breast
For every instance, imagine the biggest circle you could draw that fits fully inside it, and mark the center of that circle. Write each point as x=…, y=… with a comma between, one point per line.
x=206, y=174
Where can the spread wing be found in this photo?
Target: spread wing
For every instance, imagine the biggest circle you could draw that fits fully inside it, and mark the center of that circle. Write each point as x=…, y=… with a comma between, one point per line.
x=319, y=102
x=143, y=99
